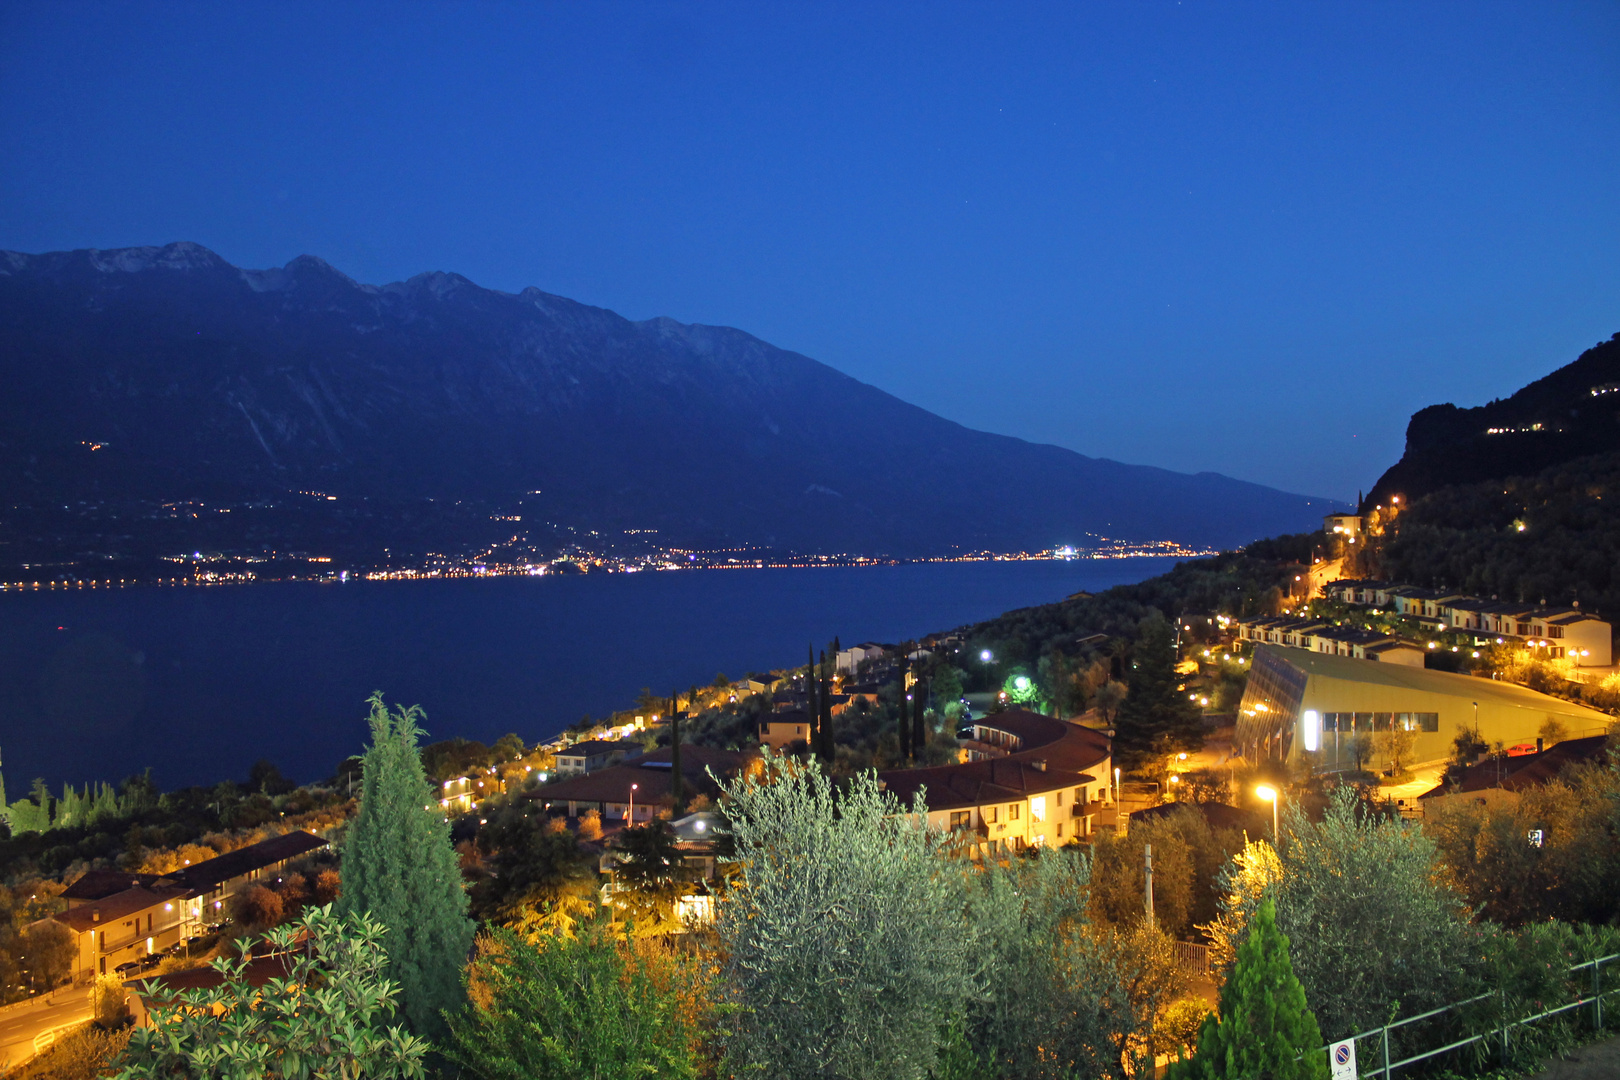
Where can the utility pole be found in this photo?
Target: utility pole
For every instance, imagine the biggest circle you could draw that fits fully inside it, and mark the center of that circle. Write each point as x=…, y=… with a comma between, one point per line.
x=1147, y=877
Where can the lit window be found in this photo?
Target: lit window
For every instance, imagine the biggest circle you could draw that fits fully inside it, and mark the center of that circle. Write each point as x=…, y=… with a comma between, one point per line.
x=1037, y=808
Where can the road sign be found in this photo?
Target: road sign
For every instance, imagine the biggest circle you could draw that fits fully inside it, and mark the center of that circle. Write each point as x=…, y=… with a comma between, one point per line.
x=1535, y=837
x=1342, y=1059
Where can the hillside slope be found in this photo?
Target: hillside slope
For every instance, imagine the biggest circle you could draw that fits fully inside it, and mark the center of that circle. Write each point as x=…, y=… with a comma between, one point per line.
x=167, y=373
x=1572, y=413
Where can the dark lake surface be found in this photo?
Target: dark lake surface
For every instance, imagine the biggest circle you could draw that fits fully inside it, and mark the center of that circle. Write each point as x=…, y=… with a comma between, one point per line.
x=198, y=683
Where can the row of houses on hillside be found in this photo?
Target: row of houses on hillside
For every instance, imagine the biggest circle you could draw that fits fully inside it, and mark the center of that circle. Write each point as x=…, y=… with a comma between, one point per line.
x=639, y=788
x=1318, y=635
x=1557, y=632
x=118, y=919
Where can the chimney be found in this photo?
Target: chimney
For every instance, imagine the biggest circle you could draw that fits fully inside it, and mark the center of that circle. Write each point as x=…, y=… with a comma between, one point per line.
x=95, y=914
x=1041, y=764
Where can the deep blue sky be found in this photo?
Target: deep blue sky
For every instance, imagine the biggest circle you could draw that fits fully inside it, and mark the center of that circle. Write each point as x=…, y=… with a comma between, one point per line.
x=1248, y=238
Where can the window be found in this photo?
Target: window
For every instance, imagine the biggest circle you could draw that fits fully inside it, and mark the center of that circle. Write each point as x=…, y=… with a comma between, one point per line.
x=1037, y=808
x=1059, y=797
x=1080, y=795
x=1060, y=830
x=1012, y=812
x=961, y=819
x=990, y=815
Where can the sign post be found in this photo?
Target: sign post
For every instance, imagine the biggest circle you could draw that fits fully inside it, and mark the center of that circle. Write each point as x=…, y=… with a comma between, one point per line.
x=1342, y=1060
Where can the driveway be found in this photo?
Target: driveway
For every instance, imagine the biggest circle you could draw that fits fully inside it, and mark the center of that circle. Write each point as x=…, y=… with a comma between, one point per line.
x=27, y=1030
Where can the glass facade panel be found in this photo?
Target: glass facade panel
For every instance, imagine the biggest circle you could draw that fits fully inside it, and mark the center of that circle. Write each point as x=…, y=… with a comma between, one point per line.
x=1270, y=707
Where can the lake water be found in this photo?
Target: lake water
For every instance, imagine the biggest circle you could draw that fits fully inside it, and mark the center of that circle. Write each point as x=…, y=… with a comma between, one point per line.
x=198, y=683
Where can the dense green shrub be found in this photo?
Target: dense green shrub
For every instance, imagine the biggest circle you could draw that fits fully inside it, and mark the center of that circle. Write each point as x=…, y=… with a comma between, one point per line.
x=323, y=1020
x=593, y=1007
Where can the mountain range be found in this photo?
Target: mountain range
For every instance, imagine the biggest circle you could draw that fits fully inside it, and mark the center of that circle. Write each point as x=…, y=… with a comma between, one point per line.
x=166, y=373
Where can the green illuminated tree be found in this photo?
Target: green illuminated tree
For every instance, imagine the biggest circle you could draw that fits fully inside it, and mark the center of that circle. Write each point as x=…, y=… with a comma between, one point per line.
x=399, y=866
x=1263, y=1027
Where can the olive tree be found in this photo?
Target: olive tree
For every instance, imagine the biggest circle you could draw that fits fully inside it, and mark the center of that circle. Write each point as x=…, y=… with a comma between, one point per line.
x=1374, y=930
x=844, y=939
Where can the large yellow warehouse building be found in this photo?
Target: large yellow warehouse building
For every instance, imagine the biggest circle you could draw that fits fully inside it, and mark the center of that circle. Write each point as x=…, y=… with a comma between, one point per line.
x=1307, y=703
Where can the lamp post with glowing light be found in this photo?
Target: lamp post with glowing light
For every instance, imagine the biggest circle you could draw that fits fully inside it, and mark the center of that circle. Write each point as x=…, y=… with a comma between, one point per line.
x=631, y=820
x=1272, y=796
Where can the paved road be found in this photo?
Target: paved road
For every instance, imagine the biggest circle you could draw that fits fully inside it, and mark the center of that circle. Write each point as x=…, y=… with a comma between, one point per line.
x=26, y=1032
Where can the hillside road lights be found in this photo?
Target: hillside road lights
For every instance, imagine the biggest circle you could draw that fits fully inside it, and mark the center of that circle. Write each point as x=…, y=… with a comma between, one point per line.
x=1272, y=796
x=1313, y=731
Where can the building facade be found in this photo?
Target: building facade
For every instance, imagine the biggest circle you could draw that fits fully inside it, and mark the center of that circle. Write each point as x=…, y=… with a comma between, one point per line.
x=1314, y=706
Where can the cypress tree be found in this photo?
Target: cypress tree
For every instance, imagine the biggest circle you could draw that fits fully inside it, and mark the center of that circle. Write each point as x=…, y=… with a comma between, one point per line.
x=810, y=706
x=825, y=722
x=904, y=707
x=919, y=724
x=1263, y=1027
x=1156, y=717
x=677, y=779
x=399, y=865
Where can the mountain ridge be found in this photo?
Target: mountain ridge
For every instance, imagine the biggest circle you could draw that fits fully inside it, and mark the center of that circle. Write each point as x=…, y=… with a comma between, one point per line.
x=195, y=375
x=1571, y=412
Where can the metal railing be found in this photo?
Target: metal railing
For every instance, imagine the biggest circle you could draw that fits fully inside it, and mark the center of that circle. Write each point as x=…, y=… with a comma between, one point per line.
x=1501, y=1030
x=1192, y=956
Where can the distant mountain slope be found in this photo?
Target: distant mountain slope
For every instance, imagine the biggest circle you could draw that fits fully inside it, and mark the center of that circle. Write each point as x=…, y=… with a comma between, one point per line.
x=1572, y=413
x=195, y=377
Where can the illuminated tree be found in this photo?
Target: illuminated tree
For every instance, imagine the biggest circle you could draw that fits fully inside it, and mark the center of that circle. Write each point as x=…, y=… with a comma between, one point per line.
x=1262, y=1027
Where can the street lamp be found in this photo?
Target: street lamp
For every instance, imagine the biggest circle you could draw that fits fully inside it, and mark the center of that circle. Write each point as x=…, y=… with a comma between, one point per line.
x=1269, y=793
x=1116, y=787
x=631, y=820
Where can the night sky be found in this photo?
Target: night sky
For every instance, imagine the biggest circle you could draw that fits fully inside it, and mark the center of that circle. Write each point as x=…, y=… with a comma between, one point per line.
x=1247, y=238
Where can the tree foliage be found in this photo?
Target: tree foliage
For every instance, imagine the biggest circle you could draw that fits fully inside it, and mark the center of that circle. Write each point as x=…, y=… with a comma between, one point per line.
x=844, y=943
x=592, y=1007
x=322, y=1020
x=399, y=866
x=1187, y=860
x=1156, y=716
x=1262, y=1027
x=1573, y=874
x=1375, y=931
